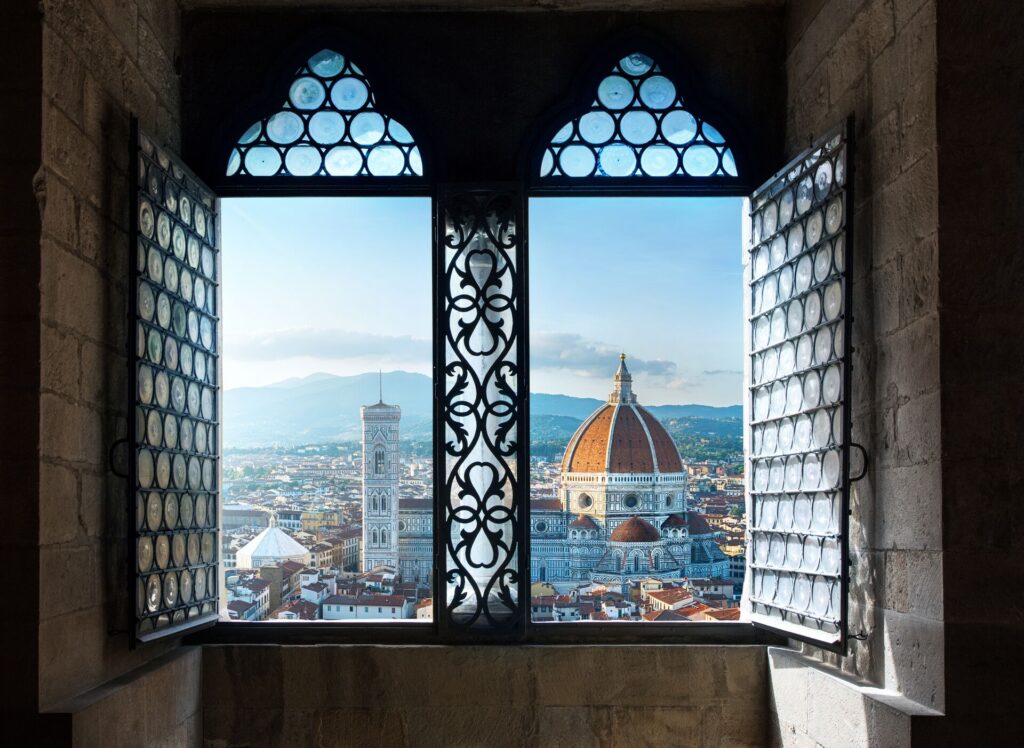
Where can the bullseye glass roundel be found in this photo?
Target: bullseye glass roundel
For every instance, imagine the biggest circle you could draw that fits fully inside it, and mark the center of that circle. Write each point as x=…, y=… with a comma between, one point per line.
x=637, y=126
x=328, y=126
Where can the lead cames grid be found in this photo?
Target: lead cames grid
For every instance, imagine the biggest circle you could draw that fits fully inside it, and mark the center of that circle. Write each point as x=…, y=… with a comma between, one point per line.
x=638, y=126
x=176, y=401
x=330, y=126
x=798, y=323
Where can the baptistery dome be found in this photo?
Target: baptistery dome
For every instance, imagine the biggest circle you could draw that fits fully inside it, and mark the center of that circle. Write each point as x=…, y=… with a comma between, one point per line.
x=621, y=437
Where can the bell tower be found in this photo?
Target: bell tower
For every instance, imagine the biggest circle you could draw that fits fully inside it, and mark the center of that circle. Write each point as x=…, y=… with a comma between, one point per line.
x=381, y=465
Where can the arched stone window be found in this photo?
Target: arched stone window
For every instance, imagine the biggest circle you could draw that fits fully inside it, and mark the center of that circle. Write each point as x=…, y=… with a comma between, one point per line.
x=328, y=126
x=378, y=461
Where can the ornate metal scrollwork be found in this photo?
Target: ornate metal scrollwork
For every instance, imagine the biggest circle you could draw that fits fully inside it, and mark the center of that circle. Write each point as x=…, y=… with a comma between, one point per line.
x=482, y=345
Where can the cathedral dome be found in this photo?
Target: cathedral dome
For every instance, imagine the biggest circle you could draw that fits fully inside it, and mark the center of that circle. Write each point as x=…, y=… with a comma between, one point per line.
x=635, y=530
x=674, y=520
x=621, y=437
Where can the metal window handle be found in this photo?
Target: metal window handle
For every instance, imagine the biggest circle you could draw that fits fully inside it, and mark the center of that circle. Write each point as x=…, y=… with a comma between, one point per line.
x=864, y=459
x=110, y=458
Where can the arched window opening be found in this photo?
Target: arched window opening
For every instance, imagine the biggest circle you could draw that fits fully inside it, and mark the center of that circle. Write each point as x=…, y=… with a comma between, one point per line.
x=378, y=461
x=638, y=125
x=328, y=126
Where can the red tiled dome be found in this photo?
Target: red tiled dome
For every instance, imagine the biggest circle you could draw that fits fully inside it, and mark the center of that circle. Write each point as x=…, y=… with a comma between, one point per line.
x=674, y=520
x=585, y=522
x=635, y=530
x=621, y=437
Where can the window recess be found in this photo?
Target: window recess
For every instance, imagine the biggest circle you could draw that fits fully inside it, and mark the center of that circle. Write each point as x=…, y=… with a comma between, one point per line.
x=798, y=414
x=174, y=427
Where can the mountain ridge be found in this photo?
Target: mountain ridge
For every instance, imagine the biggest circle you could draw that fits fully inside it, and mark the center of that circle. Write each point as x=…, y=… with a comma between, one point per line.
x=325, y=407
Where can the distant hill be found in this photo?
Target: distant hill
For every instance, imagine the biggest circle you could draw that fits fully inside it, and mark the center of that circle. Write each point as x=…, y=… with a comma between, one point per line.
x=325, y=408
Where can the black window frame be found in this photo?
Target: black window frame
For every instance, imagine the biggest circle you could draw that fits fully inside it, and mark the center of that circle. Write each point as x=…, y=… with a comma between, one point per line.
x=431, y=185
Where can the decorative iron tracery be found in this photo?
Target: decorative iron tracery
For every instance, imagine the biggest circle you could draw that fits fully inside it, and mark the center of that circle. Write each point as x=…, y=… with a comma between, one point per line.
x=173, y=432
x=328, y=126
x=481, y=350
x=637, y=126
x=799, y=427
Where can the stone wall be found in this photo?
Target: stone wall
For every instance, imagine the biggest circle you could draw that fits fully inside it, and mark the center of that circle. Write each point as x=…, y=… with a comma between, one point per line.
x=877, y=60
x=157, y=705
x=102, y=60
x=981, y=217
x=494, y=696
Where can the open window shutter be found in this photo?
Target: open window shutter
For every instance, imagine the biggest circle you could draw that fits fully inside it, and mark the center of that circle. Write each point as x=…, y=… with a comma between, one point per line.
x=798, y=411
x=173, y=427
x=479, y=444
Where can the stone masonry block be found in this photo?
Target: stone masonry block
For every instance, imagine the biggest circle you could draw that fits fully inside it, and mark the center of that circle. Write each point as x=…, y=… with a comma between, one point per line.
x=67, y=576
x=908, y=360
x=919, y=430
x=919, y=280
x=905, y=211
x=59, y=209
x=74, y=293
x=70, y=432
x=63, y=75
x=913, y=650
x=60, y=354
x=156, y=66
x=913, y=582
x=122, y=16
x=909, y=507
x=59, y=500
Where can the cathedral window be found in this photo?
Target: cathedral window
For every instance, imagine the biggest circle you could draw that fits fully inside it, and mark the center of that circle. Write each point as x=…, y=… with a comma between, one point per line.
x=638, y=125
x=329, y=125
x=636, y=130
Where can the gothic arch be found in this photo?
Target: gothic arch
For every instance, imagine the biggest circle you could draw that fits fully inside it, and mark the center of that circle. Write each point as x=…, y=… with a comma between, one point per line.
x=329, y=125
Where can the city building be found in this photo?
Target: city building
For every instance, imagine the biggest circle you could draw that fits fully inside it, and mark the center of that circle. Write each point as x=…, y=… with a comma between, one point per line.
x=380, y=484
x=397, y=532
x=272, y=546
x=622, y=511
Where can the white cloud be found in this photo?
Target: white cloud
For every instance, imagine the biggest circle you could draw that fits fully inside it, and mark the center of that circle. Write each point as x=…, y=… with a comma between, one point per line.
x=324, y=343
x=588, y=358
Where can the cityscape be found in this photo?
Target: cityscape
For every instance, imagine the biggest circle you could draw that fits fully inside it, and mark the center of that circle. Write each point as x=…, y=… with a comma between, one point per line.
x=343, y=530
x=636, y=501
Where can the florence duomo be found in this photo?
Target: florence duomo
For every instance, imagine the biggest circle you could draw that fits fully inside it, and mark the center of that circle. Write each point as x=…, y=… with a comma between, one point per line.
x=512, y=373
x=621, y=513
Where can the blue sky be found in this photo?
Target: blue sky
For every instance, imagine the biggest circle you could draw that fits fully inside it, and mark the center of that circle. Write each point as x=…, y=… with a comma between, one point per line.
x=343, y=285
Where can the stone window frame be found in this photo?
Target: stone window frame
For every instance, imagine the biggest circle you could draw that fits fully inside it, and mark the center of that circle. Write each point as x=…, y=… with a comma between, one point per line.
x=740, y=633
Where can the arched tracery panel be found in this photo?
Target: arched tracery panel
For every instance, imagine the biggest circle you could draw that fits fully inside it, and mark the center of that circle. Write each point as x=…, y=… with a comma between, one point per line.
x=328, y=126
x=638, y=125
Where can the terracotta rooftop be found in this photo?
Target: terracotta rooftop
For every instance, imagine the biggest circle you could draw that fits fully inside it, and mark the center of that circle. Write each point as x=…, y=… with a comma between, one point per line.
x=664, y=616
x=635, y=530
x=553, y=505
x=415, y=504
x=697, y=525
x=674, y=520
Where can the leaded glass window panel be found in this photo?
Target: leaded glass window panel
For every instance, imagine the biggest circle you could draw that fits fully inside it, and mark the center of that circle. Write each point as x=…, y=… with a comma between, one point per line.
x=480, y=347
x=799, y=377
x=329, y=126
x=637, y=126
x=174, y=430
